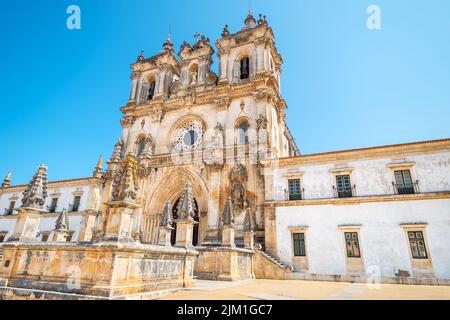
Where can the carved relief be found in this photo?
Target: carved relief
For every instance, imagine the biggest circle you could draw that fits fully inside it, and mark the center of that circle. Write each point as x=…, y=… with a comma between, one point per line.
x=222, y=103
x=127, y=121
x=125, y=183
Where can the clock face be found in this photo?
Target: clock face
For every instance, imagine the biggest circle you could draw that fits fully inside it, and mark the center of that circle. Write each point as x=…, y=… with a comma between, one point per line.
x=188, y=136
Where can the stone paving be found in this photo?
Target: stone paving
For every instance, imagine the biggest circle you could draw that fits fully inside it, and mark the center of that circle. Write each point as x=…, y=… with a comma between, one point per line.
x=307, y=290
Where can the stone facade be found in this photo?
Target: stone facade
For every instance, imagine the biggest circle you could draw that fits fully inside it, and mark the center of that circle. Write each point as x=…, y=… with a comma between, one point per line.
x=206, y=179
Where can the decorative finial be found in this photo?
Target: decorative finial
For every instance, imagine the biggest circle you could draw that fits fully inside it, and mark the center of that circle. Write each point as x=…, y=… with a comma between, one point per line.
x=7, y=181
x=117, y=152
x=248, y=221
x=225, y=32
x=36, y=191
x=98, y=168
x=141, y=56
x=125, y=183
x=168, y=44
x=228, y=213
x=196, y=36
x=62, y=222
x=186, y=204
x=167, y=216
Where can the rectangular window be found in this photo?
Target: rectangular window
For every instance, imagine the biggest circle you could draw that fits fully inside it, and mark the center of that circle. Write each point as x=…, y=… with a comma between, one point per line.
x=45, y=236
x=344, y=187
x=10, y=209
x=3, y=236
x=404, y=182
x=299, y=244
x=295, y=192
x=76, y=203
x=54, y=204
x=352, y=245
x=417, y=244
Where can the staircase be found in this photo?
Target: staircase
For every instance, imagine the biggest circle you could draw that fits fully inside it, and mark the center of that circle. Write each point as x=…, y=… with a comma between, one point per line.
x=277, y=261
x=267, y=267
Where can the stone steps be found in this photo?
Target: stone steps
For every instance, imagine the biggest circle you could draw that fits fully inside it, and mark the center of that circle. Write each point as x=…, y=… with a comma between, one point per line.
x=276, y=261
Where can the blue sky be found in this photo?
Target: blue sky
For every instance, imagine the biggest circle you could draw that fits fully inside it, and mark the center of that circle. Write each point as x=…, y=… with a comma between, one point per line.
x=346, y=86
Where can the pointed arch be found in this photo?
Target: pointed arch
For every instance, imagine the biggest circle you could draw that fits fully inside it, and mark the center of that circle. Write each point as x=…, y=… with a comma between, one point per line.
x=170, y=188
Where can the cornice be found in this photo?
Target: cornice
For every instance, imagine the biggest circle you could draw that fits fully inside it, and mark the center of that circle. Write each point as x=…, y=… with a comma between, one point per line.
x=421, y=147
x=358, y=200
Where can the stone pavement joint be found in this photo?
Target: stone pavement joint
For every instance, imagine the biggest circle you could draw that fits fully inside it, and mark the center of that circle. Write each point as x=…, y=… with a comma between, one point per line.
x=351, y=292
x=269, y=296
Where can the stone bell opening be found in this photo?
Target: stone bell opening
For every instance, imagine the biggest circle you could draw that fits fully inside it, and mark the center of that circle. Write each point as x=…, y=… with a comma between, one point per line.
x=196, y=219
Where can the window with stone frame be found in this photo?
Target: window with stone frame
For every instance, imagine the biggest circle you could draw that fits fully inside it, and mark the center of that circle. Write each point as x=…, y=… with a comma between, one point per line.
x=245, y=68
x=299, y=244
x=295, y=192
x=151, y=90
x=140, y=146
x=9, y=211
x=417, y=245
x=76, y=204
x=403, y=182
x=53, y=205
x=243, y=133
x=344, y=187
x=3, y=236
x=45, y=235
x=352, y=245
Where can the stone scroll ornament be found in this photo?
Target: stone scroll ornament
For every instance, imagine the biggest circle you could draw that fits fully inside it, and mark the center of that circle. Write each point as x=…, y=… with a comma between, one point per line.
x=238, y=177
x=36, y=191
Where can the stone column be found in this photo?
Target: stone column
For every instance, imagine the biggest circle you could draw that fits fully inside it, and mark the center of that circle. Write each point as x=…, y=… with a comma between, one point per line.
x=27, y=225
x=165, y=234
x=87, y=226
x=185, y=230
x=59, y=236
x=249, y=240
x=119, y=222
x=228, y=236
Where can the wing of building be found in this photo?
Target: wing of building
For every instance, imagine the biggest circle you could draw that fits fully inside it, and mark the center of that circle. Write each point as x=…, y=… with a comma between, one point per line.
x=206, y=168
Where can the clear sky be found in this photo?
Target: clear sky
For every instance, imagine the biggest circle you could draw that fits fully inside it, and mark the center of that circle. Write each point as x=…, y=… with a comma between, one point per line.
x=346, y=86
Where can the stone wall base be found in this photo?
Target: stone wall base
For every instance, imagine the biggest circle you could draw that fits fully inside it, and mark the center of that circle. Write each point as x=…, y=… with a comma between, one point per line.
x=224, y=264
x=100, y=271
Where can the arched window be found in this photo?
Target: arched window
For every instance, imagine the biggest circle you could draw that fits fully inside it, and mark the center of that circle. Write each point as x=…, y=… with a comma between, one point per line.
x=245, y=68
x=243, y=133
x=140, y=146
x=151, y=90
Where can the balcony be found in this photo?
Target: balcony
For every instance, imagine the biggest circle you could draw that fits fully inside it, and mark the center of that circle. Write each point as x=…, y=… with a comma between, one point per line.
x=294, y=196
x=51, y=209
x=344, y=192
x=400, y=189
x=74, y=207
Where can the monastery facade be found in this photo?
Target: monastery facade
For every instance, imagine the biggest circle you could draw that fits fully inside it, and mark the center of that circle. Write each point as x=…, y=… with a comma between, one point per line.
x=206, y=181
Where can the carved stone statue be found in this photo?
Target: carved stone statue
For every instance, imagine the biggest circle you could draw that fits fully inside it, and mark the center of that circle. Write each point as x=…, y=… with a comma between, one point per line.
x=193, y=77
x=238, y=177
x=218, y=138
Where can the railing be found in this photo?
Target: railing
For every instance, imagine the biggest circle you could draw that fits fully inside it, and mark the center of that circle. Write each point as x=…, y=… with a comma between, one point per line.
x=344, y=193
x=294, y=196
x=9, y=211
x=51, y=209
x=74, y=208
x=406, y=189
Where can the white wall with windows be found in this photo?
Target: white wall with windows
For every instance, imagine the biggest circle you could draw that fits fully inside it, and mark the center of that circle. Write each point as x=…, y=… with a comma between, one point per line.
x=368, y=177
x=383, y=239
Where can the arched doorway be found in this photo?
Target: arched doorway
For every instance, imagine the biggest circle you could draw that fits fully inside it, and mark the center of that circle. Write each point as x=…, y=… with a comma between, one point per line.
x=196, y=219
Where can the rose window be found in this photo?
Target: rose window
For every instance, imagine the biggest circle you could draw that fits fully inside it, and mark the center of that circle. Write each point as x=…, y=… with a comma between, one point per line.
x=189, y=136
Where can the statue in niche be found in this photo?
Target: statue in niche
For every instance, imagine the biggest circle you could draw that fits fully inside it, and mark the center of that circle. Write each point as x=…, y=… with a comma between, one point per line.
x=218, y=138
x=193, y=76
x=238, y=177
